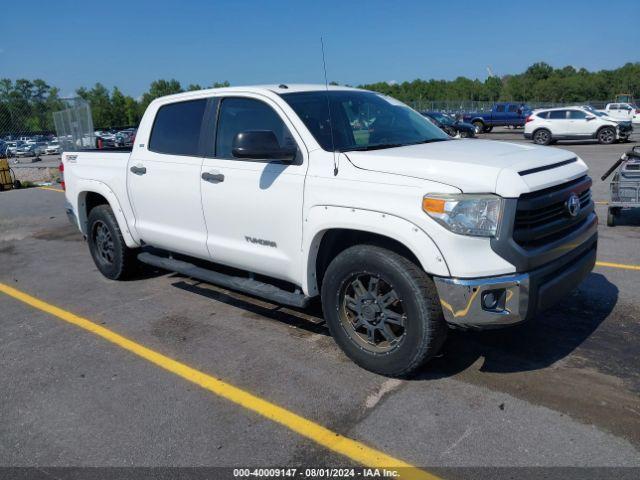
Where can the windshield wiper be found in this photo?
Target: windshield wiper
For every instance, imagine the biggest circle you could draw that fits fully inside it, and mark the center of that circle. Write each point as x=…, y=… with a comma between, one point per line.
x=378, y=146
x=431, y=140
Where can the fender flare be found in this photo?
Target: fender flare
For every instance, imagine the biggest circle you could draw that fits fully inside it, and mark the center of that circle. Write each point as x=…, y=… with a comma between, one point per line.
x=322, y=218
x=85, y=186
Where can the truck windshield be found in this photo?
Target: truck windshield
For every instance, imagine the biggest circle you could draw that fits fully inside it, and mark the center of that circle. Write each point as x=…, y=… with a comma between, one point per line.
x=361, y=120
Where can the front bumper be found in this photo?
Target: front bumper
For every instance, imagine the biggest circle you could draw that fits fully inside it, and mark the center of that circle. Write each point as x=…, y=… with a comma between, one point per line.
x=518, y=297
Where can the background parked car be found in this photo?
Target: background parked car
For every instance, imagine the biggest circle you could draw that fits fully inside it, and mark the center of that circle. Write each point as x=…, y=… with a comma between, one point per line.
x=623, y=111
x=125, y=138
x=502, y=114
x=12, y=147
x=451, y=126
x=53, y=148
x=33, y=149
x=105, y=139
x=546, y=126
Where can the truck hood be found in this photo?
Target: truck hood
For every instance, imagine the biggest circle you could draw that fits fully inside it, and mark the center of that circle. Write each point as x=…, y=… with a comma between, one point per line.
x=476, y=166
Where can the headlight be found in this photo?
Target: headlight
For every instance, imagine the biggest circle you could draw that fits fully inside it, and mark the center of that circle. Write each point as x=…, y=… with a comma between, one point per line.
x=476, y=215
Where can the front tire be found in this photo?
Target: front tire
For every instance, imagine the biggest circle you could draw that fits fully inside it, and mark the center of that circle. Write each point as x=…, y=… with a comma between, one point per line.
x=382, y=310
x=109, y=251
x=606, y=135
x=542, y=137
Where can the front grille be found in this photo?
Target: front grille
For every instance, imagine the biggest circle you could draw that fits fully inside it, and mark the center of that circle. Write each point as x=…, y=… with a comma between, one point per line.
x=542, y=217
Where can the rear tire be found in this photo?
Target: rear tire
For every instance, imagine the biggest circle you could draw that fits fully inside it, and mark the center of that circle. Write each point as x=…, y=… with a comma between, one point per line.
x=382, y=310
x=488, y=129
x=542, y=137
x=606, y=135
x=109, y=251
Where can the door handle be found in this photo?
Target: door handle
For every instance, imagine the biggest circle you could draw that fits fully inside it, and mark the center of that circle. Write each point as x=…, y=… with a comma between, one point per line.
x=213, y=177
x=138, y=170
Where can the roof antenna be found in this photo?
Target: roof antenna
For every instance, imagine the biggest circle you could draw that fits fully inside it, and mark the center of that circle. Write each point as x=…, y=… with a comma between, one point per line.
x=326, y=84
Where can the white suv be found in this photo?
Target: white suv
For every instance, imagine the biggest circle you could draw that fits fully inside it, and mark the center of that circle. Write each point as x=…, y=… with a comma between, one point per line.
x=545, y=126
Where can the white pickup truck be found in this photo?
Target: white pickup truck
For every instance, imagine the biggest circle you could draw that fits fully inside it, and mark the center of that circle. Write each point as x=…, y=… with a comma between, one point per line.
x=344, y=194
x=623, y=111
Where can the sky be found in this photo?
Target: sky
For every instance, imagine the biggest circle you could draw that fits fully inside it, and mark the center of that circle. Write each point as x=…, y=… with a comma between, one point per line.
x=129, y=44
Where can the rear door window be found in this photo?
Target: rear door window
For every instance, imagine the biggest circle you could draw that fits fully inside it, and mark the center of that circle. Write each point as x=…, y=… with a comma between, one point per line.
x=499, y=108
x=176, y=129
x=513, y=108
x=542, y=115
x=557, y=114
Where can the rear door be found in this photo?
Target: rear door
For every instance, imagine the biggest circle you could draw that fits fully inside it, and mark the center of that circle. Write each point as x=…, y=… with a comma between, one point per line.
x=513, y=116
x=613, y=110
x=253, y=208
x=499, y=115
x=163, y=180
x=558, y=123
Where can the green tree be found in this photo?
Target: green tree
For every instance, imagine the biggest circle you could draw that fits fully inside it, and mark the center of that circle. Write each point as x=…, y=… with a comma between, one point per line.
x=160, y=88
x=118, y=108
x=100, y=102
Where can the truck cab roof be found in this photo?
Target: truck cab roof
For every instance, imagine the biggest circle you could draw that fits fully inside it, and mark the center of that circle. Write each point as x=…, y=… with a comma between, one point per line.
x=278, y=89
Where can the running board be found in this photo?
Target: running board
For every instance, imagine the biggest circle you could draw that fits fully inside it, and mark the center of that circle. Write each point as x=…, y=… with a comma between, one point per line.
x=241, y=284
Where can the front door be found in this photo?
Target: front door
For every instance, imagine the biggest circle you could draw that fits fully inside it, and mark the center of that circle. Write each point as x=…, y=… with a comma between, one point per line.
x=163, y=181
x=253, y=208
x=579, y=126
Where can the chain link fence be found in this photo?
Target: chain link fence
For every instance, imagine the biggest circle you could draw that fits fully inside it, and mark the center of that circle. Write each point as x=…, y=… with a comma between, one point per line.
x=35, y=130
x=74, y=125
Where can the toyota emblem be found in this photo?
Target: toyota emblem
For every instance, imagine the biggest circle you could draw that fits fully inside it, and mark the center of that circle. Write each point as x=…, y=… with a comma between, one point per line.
x=573, y=205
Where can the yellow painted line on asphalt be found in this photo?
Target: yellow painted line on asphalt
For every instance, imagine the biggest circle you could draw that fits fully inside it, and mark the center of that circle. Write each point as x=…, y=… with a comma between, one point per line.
x=602, y=203
x=52, y=189
x=623, y=266
x=352, y=449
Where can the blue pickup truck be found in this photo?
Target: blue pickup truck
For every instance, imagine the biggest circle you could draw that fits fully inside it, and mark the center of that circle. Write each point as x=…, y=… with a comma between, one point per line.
x=502, y=114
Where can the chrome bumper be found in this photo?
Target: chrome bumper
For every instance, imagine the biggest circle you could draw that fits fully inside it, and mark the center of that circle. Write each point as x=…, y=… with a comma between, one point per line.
x=462, y=300
x=509, y=299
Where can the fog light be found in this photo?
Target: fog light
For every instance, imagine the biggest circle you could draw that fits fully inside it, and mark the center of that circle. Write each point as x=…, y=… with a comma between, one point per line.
x=494, y=300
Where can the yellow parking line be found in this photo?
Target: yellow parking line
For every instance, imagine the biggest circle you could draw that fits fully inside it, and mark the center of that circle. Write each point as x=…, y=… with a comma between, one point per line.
x=352, y=449
x=624, y=266
x=52, y=189
x=602, y=203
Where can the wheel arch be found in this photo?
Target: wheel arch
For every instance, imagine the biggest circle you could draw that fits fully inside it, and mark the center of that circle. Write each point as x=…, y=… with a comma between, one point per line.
x=96, y=194
x=533, y=134
x=337, y=228
x=602, y=127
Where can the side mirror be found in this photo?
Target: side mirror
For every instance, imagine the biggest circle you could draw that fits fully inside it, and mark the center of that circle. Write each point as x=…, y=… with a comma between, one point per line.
x=261, y=145
x=590, y=117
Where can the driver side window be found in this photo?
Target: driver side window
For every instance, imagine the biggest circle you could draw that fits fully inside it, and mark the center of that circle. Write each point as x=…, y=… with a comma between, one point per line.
x=238, y=115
